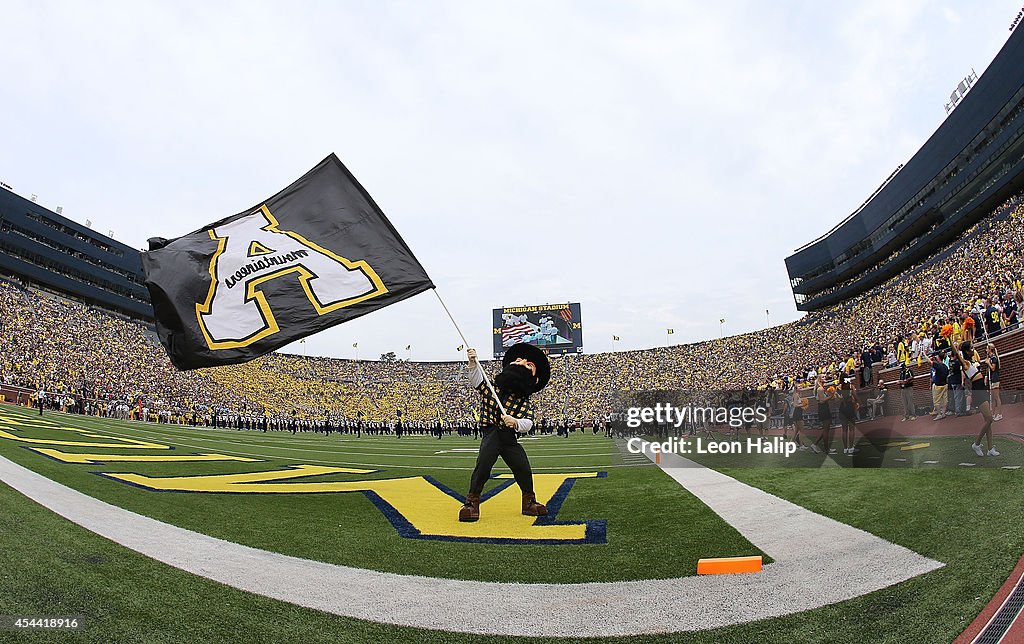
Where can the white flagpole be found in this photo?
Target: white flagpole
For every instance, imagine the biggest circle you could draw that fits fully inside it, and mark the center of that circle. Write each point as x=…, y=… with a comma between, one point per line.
x=465, y=344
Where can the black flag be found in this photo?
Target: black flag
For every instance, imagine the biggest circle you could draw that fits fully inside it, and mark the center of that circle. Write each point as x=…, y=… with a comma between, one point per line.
x=316, y=254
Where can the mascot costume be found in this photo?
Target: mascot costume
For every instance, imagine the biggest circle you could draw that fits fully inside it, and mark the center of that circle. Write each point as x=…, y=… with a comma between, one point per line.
x=525, y=371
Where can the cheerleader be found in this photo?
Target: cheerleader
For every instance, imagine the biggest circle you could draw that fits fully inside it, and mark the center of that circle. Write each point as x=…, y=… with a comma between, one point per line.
x=848, y=416
x=798, y=403
x=993, y=381
x=977, y=379
x=823, y=397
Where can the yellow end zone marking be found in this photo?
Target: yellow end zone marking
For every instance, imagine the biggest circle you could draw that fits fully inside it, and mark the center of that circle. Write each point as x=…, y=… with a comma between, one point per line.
x=68, y=457
x=430, y=510
x=915, y=446
x=26, y=422
x=126, y=443
x=251, y=482
x=9, y=422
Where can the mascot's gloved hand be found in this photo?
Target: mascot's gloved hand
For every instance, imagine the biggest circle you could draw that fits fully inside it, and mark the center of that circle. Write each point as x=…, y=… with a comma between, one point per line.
x=510, y=422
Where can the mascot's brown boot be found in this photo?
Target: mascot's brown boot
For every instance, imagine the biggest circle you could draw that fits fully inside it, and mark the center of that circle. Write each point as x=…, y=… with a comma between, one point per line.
x=533, y=509
x=471, y=510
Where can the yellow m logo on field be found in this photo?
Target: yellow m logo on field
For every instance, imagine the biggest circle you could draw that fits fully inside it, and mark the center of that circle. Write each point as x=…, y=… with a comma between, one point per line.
x=418, y=507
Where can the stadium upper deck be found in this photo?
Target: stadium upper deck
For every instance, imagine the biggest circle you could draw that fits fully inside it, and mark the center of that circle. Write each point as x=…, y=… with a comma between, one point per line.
x=972, y=162
x=44, y=248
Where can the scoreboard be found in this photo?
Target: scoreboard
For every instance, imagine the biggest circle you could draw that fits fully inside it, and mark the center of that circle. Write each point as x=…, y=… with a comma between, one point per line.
x=555, y=328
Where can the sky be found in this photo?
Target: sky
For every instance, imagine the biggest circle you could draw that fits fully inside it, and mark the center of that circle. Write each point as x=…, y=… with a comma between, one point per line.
x=654, y=161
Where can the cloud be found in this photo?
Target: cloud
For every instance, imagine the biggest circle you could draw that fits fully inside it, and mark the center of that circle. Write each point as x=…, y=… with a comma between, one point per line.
x=654, y=160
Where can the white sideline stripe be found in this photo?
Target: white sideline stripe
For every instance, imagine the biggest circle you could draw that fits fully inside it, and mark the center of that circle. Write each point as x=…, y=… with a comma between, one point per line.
x=797, y=582
x=827, y=560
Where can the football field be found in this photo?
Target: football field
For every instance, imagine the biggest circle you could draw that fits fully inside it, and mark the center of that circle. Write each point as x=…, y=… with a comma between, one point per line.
x=388, y=505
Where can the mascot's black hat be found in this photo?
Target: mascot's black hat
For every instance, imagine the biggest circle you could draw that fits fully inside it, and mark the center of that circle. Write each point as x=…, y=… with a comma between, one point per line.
x=534, y=355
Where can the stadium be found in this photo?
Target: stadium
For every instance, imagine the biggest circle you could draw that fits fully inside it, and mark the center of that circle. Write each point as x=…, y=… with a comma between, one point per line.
x=274, y=497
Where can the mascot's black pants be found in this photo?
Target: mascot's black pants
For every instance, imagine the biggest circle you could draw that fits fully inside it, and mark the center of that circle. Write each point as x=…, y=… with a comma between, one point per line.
x=501, y=441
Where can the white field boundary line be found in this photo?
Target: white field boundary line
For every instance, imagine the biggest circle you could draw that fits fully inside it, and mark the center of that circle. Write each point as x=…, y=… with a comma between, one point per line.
x=828, y=559
x=295, y=445
x=308, y=437
x=583, y=610
x=269, y=456
x=263, y=455
x=257, y=437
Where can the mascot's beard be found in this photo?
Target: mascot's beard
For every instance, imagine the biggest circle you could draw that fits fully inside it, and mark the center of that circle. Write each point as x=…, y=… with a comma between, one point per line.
x=517, y=379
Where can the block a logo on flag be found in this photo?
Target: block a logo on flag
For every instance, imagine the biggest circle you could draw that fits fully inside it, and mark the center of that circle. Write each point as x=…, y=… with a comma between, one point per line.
x=316, y=254
x=252, y=251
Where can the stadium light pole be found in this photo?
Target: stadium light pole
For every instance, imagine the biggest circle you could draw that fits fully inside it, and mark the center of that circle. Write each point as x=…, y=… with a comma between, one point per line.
x=721, y=328
x=767, y=318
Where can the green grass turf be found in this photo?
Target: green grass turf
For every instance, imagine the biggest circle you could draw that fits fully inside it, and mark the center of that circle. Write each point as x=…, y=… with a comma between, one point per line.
x=57, y=568
x=646, y=513
x=968, y=518
x=53, y=567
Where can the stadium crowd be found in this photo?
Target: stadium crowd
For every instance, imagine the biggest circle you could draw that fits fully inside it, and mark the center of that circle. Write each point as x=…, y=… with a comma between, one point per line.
x=78, y=355
x=73, y=351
